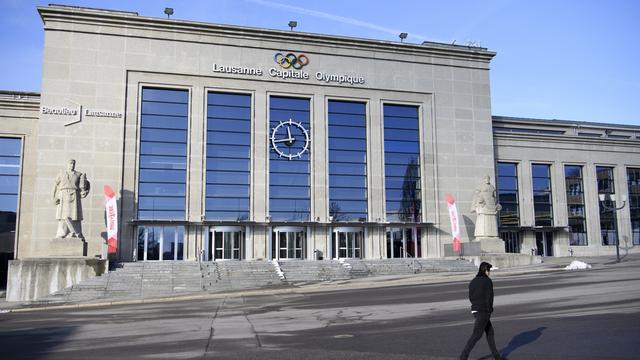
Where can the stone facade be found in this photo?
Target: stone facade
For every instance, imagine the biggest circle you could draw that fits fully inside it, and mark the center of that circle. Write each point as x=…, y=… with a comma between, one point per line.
x=96, y=63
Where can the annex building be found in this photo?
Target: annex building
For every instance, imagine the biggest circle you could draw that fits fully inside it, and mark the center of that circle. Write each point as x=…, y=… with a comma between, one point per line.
x=234, y=143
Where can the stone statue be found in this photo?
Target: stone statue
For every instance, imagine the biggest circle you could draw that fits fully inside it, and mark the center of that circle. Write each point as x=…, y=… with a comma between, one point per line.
x=69, y=188
x=486, y=209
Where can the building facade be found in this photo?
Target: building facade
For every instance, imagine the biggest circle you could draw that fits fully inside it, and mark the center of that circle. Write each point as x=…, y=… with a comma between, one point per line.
x=236, y=143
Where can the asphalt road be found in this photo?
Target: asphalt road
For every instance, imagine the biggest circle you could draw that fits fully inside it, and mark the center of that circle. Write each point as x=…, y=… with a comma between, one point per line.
x=591, y=314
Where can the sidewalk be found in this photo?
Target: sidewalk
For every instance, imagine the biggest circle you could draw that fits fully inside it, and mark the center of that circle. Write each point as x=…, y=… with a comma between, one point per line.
x=550, y=264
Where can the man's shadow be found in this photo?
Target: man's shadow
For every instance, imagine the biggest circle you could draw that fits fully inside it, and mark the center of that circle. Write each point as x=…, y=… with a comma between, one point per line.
x=522, y=339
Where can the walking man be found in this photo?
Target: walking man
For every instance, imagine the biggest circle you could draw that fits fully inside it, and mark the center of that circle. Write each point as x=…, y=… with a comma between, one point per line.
x=481, y=297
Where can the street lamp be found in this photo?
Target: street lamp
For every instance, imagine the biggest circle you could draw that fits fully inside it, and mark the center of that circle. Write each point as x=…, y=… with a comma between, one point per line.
x=612, y=198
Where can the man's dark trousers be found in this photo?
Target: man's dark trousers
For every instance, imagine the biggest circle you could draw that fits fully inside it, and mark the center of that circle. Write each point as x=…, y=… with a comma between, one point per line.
x=482, y=324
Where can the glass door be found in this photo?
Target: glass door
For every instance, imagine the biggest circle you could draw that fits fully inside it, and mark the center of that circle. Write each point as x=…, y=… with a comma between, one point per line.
x=288, y=242
x=226, y=243
x=347, y=243
x=544, y=243
x=404, y=242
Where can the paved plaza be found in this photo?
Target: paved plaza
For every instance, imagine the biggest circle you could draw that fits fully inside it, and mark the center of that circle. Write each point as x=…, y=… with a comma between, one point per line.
x=590, y=314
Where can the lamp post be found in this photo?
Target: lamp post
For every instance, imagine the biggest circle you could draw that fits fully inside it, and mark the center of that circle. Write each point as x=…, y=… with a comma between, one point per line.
x=613, y=209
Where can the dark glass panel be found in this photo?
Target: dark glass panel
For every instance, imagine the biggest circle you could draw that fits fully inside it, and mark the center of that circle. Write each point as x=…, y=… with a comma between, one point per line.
x=540, y=170
x=339, y=206
x=228, y=177
x=161, y=203
x=347, y=119
x=229, y=125
x=227, y=190
x=277, y=116
x=229, y=151
x=168, y=243
x=162, y=162
x=158, y=108
x=506, y=169
x=231, y=204
x=392, y=122
x=572, y=171
x=348, y=156
x=159, y=148
x=170, y=176
x=410, y=171
x=347, y=132
x=289, y=192
x=291, y=166
x=165, y=135
x=277, y=102
x=289, y=215
x=507, y=183
x=347, y=144
x=347, y=169
x=348, y=181
x=160, y=214
x=227, y=215
x=401, y=146
x=214, y=164
x=401, y=158
x=346, y=107
x=401, y=110
x=541, y=184
x=228, y=112
x=9, y=184
x=8, y=203
x=295, y=205
x=164, y=122
x=401, y=135
x=399, y=182
x=229, y=99
x=154, y=94
x=162, y=189
x=336, y=193
x=229, y=138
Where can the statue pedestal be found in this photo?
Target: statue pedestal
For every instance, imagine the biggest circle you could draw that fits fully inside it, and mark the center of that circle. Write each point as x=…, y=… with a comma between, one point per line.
x=62, y=247
x=493, y=245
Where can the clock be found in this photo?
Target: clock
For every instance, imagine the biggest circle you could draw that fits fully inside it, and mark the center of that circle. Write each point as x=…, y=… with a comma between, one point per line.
x=285, y=135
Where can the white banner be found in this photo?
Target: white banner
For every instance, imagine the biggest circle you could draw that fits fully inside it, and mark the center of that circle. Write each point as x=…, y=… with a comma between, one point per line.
x=453, y=217
x=111, y=208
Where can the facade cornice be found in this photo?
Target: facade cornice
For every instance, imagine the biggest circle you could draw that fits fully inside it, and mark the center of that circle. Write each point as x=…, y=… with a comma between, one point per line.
x=564, y=139
x=98, y=18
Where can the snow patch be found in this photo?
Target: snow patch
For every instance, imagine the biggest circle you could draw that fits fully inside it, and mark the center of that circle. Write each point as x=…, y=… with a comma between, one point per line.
x=577, y=265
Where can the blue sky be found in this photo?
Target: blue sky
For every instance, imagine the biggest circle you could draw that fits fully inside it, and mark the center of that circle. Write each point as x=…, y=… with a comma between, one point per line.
x=562, y=59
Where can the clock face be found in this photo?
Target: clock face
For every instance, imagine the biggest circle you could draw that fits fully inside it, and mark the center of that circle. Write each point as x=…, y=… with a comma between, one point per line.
x=290, y=139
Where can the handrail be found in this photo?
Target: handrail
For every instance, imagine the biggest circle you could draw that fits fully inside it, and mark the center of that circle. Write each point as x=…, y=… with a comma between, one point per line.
x=414, y=268
x=201, y=271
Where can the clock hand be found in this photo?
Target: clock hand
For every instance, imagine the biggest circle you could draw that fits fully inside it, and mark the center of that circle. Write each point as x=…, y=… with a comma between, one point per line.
x=284, y=140
x=289, y=132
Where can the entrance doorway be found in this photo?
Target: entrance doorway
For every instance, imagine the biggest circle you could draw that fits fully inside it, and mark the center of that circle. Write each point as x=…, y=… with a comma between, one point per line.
x=404, y=242
x=288, y=242
x=544, y=243
x=225, y=243
x=346, y=243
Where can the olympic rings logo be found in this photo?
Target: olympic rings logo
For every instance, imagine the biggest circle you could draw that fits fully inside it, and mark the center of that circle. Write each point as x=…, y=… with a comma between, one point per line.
x=290, y=60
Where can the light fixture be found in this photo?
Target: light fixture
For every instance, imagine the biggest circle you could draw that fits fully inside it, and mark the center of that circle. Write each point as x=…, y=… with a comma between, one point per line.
x=168, y=11
x=267, y=218
x=293, y=24
x=330, y=218
x=403, y=36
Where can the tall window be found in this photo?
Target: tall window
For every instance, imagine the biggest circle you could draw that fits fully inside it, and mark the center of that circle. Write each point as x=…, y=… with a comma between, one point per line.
x=608, y=219
x=228, y=154
x=160, y=242
x=289, y=159
x=575, y=205
x=347, y=161
x=402, y=163
x=508, y=194
x=163, y=154
x=633, y=182
x=542, y=202
x=10, y=150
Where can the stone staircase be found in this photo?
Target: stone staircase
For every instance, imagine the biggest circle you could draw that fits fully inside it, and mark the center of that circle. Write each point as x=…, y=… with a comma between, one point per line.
x=301, y=271
x=365, y=268
x=138, y=280
x=238, y=275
